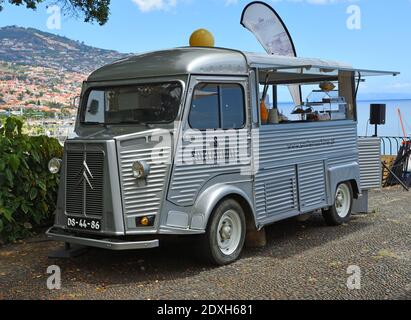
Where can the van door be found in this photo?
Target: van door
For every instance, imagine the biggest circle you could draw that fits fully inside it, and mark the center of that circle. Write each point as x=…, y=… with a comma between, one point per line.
x=217, y=118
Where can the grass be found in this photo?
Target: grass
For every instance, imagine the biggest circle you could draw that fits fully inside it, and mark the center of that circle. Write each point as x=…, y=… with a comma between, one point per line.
x=386, y=254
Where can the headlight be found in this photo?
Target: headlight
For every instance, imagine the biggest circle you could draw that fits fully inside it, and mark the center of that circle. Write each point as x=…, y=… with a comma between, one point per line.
x=54, y=165
x=141, y=169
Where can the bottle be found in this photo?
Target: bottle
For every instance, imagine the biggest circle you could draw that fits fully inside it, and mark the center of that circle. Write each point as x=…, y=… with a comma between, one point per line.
x=273, y=117
x=263, y=113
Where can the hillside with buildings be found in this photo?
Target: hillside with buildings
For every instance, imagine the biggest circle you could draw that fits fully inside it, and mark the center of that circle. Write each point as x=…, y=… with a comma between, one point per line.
x=27, y=46
x=37, y=88
x=41, y=73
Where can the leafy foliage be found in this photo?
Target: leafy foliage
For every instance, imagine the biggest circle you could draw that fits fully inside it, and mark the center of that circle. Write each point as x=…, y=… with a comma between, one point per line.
x=28, y=191
x=93, y=10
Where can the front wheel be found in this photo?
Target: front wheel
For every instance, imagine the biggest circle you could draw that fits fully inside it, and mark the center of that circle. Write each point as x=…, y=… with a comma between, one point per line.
x=225, y=236
x=340, y=212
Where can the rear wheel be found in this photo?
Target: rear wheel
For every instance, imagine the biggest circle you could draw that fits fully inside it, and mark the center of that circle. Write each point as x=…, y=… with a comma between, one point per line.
x=340, y=212
x=225, y=236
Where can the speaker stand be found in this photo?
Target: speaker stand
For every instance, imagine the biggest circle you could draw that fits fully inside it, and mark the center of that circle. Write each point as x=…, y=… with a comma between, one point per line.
x=376, y=131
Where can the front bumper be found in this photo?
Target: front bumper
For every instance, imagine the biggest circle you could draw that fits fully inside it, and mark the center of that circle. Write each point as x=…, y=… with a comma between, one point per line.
x=109, y=243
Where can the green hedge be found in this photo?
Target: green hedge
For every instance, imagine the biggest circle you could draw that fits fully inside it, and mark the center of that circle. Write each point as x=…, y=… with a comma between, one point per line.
x=28, y=191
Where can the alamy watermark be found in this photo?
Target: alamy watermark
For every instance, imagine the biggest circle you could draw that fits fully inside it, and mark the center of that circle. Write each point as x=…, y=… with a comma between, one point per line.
x=354, y=279
x=353, y=22
x=54, y=19
x=54, y=280
x=354, y=19
x=212, y=149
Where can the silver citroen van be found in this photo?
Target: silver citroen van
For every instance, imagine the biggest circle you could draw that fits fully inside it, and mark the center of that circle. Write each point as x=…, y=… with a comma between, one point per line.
x=194, y=141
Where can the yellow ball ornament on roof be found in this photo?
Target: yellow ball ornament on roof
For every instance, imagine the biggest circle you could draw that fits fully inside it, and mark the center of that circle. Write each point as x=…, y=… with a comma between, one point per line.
x=202, y=38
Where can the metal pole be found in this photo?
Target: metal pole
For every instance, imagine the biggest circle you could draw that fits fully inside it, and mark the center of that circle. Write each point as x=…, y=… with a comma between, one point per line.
x=275, y=97
x=395, y=176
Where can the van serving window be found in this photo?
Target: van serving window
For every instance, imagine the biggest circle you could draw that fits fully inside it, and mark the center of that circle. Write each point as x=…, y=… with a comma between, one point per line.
x=322, y=100
x=217, y=106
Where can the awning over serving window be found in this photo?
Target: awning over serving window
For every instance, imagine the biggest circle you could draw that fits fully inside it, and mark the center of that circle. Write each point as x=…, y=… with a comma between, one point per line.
x=304, y=73
x=295, y=70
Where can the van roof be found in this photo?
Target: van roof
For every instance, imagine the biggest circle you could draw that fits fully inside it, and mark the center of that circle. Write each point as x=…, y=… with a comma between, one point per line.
x=200, y=60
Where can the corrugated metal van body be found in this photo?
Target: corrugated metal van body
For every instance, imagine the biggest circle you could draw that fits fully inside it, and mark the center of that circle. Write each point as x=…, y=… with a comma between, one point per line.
x=293, y=161
x=143, y=197
x=370, y=162
x=189, y=179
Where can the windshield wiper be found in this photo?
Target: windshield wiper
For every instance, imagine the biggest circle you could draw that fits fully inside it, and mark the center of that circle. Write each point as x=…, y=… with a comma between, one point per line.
x=95, y=123
x=148, y=125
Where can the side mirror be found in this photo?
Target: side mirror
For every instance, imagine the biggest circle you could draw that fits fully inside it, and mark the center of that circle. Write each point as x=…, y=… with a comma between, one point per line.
x=94, y=106
x=75, y=102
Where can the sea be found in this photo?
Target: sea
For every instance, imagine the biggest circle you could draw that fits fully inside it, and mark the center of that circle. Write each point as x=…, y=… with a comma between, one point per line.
x=392, y=127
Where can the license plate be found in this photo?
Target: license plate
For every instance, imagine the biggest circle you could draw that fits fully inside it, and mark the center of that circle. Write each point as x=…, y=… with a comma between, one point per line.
x=84, y=224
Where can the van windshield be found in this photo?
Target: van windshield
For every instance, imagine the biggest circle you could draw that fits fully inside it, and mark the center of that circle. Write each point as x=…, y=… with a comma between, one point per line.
x=138, y=104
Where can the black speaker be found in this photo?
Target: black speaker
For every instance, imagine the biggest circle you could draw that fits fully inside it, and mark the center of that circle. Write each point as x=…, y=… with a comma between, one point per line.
x=377, y=114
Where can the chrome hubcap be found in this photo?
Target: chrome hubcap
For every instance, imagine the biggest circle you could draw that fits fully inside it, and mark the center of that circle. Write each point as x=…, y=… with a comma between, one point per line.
x=226, y=232
x=342, y=201
x=229, y=232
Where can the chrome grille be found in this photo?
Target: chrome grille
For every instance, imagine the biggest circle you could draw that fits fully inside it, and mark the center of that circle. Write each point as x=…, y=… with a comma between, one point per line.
x=94, y=196
x=81, y=198
x=74, y=190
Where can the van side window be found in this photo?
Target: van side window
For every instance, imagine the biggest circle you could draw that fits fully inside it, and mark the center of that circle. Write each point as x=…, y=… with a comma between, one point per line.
x=232, y=105
x=217, y=106
x=204, y=112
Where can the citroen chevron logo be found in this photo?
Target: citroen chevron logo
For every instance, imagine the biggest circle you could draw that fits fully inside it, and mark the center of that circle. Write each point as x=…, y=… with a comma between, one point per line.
x=86, y=175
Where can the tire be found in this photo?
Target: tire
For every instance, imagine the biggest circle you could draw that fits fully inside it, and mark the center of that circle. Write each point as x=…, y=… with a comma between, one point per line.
x=340, y=212
x=223, y=246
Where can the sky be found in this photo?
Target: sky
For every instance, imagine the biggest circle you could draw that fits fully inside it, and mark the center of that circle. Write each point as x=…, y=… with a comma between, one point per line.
x=320, y=28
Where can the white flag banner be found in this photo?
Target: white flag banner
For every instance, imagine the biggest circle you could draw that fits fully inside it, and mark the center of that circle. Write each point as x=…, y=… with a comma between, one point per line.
x=267, y=26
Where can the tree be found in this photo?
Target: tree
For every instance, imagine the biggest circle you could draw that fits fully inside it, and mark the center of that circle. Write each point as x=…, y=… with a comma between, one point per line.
x=54, y=105
x=92, y=10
